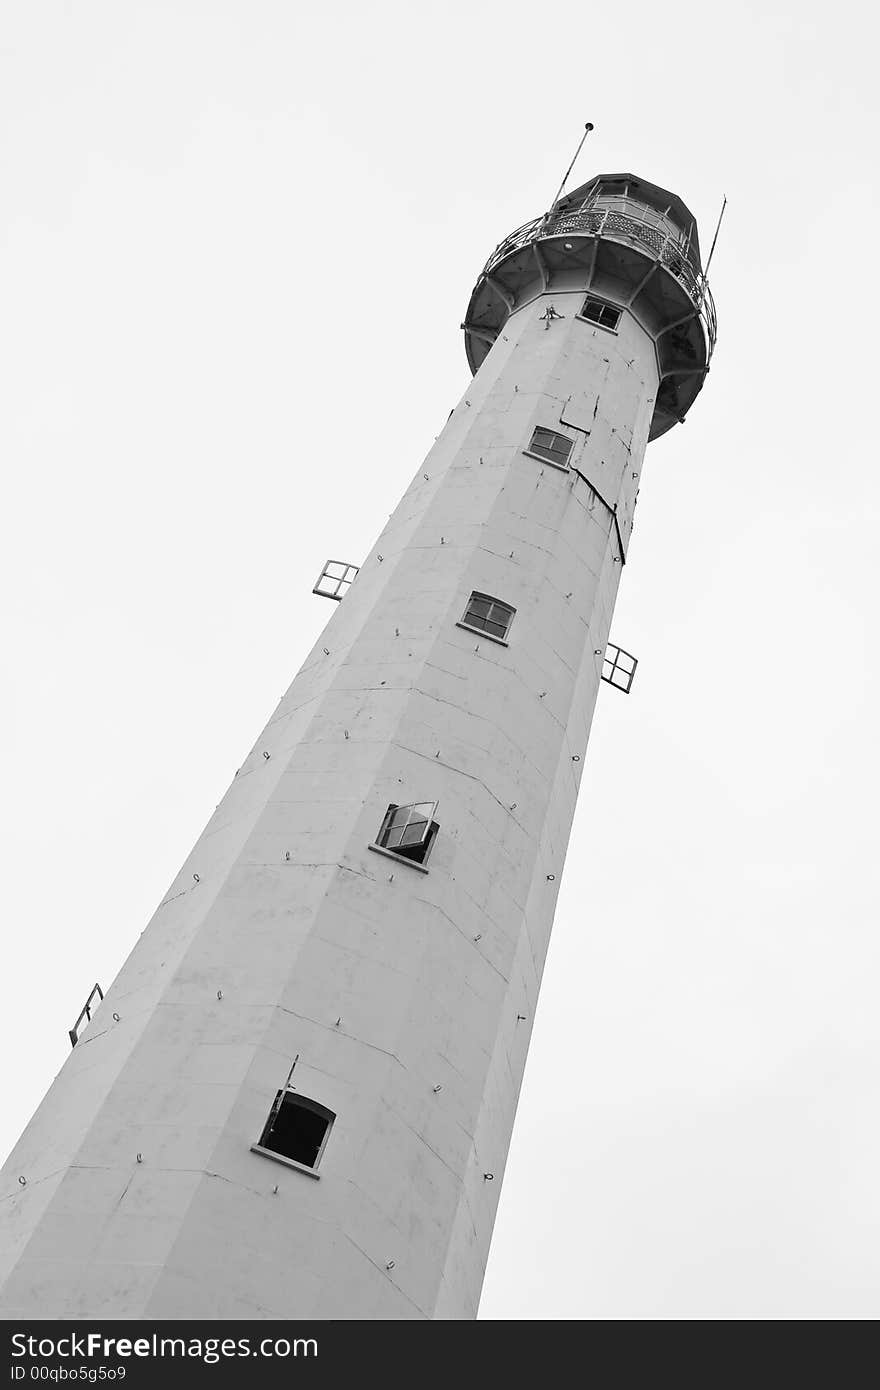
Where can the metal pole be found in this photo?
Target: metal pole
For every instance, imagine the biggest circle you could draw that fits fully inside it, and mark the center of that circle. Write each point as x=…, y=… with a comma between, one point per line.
x=587, y=128
x=715, y=237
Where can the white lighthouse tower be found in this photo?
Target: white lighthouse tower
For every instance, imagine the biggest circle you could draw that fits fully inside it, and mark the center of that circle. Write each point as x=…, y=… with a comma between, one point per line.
x=296, y=1099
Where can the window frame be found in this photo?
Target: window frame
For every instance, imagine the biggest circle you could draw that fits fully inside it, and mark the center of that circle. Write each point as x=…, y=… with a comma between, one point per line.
x=531, y=448
x=339, y=580
x=427, y=840
x=616, y=667
x=304, y=1103
x=85, y=1013
x=605, y=304
x=481, y=632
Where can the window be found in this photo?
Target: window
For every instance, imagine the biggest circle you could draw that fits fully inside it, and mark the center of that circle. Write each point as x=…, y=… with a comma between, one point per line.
x=488, y=615
x=85, y=1013
x=619, y=668
x=409, y=831
x=335, y=579
x=297, y=1129
x=553, y=447
x=597, y=311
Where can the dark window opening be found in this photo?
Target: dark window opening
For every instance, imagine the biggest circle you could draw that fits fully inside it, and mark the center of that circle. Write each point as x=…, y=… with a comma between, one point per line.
x=409, y=830
x=598, y=312
x=489, y=615
x=297, y=1128
x=548, y=445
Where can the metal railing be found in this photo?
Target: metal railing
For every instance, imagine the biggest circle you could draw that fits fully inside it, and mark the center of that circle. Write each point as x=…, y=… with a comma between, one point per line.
x=671, y=251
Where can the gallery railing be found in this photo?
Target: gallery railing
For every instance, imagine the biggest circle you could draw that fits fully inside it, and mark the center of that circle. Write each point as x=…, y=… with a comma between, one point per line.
x=670, y=250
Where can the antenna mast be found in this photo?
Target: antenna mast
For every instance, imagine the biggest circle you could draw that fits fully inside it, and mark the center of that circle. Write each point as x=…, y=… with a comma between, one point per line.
x=587, y=128
x=715, y=237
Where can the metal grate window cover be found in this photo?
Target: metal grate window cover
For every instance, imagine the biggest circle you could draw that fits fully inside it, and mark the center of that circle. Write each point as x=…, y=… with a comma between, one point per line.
x=335, y=579
x=549, y=445
x=409, y=830
x=85, y=1013
x=489, y=615
x=619, y=668
x=597, y=311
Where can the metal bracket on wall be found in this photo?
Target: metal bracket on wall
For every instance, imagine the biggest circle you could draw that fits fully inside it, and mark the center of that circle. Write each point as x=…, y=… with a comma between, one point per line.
x=619, y=533
x=84, y=1013
x=619, y=668
x=335, y=579
x=612, y=511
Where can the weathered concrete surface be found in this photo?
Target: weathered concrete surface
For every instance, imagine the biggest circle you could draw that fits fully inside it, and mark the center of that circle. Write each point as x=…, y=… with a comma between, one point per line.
x=387, y=982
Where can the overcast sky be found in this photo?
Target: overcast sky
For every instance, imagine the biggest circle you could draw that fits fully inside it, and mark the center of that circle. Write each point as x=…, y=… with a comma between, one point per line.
x=238, y=240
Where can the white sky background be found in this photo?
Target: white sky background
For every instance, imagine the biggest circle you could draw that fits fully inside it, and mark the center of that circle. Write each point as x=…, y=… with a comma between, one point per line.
x=238, y=240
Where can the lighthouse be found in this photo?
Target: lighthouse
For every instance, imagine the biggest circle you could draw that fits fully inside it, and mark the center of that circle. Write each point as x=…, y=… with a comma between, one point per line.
x=296, y=1099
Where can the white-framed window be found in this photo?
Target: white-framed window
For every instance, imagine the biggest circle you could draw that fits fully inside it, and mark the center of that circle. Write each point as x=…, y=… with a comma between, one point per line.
x=488, y=615
x=599, y=312
x=335, y=579
x=547, y=444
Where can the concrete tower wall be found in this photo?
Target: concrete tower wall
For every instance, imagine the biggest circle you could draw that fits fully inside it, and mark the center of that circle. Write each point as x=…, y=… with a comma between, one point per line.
x=408, y=997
